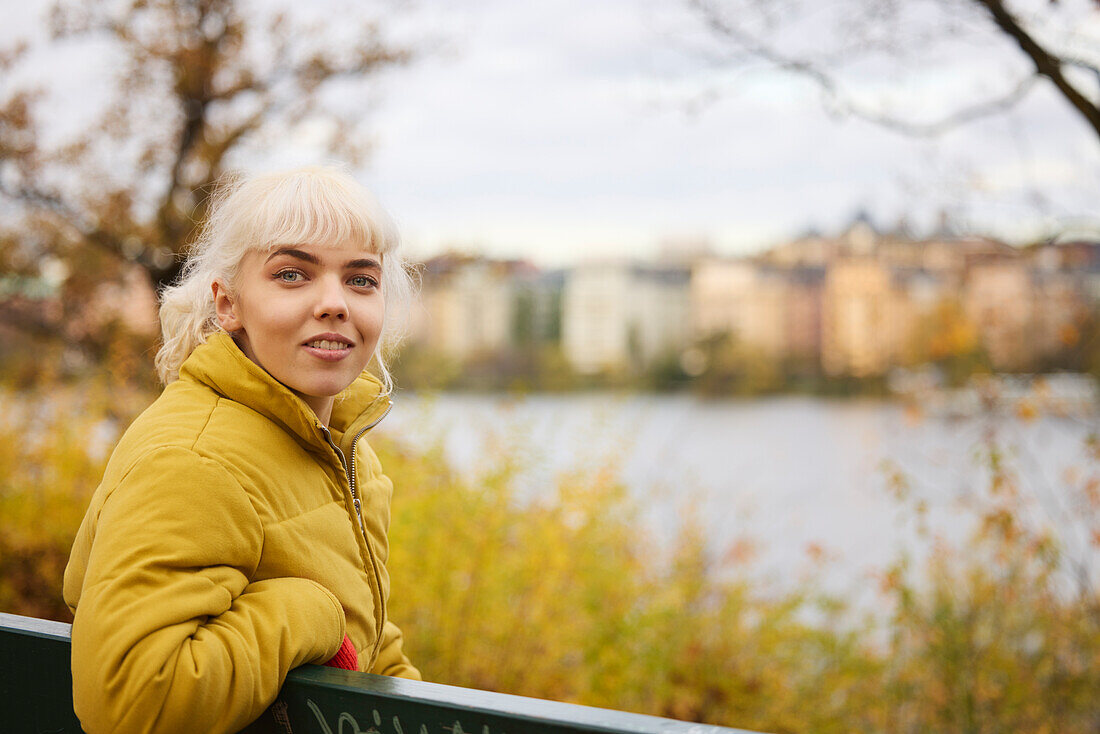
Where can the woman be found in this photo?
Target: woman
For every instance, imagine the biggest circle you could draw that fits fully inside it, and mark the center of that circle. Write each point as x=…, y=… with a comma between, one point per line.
x=240, y=528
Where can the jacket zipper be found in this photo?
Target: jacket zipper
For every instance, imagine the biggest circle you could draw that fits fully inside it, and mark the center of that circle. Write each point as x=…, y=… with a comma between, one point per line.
x=350, y=473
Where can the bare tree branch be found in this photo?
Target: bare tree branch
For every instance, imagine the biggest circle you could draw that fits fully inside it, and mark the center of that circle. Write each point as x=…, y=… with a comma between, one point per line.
x=76, y=223
x=970, y=113
x=835, y=96
x=26, y=316
x=1046, y=64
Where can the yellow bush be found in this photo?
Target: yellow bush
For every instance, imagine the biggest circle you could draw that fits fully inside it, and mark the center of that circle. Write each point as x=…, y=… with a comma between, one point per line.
x=564, y=598
x=53, y=446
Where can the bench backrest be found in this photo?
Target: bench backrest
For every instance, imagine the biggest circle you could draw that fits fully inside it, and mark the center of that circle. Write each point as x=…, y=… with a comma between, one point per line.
x=36, y=696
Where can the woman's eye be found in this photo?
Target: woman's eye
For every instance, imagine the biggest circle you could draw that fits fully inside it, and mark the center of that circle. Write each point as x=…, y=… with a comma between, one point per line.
x=362, y=281
x=289, y=276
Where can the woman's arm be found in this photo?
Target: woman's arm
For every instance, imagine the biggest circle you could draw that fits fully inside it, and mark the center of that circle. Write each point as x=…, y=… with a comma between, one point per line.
x=169, y=634
x=391, y=658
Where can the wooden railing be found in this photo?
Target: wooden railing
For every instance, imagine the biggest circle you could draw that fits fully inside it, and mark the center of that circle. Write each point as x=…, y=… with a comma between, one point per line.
x=36, y=696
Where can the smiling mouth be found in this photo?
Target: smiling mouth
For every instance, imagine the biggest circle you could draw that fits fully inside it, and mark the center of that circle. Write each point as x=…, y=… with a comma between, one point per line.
x=328, y=345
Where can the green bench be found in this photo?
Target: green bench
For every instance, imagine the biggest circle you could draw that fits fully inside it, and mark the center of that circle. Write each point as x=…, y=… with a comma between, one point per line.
x=36, y=696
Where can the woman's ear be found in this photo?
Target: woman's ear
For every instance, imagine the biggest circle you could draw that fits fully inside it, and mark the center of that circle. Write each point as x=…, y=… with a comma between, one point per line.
x=224, y=307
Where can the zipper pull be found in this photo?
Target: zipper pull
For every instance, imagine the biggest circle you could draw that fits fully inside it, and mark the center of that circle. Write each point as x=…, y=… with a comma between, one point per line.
x=359, y=515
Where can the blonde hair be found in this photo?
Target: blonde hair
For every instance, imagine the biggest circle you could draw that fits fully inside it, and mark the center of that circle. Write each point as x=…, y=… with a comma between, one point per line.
x=258, y=213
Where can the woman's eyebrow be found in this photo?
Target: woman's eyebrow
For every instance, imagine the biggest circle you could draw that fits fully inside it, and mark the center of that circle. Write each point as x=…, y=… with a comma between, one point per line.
x=299, y=254
x=365, y=262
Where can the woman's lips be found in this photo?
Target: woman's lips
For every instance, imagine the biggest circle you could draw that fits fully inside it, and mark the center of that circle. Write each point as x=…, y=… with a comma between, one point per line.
x=330, y=350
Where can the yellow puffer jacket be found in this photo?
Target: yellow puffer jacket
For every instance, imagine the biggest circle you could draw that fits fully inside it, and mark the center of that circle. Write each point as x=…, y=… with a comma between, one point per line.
x=223, y=549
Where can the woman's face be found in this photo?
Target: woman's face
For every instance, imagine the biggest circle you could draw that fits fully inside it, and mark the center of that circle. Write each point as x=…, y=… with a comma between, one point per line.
x=310, y=315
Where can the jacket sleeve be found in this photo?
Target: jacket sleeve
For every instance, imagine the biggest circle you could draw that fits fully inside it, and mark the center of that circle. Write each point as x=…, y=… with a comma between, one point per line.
x=391, y=659
x=169, y=635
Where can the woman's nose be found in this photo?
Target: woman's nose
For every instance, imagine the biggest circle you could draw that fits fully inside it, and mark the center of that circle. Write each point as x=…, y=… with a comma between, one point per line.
x=331, y=302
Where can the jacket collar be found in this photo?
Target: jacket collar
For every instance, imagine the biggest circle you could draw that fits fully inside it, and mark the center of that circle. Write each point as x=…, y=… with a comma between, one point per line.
x=224, y=368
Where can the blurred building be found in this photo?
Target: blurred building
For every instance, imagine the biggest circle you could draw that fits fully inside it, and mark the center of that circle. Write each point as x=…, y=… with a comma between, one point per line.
x=1066, y=279
x=537, y=309
x=742, y=298
x=998, y=298
x=803, y=313
x=1081, y=260
x=467, y=305
x=811, y=250
x=619, y=315
x=1060, y=312
x=856, y=304
x=861, y=318
x=768, y=307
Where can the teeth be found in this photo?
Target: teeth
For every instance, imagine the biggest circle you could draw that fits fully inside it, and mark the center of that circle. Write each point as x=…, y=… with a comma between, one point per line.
x=327, y=344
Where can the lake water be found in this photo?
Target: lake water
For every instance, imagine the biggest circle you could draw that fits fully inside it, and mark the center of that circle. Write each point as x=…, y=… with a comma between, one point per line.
x=778, y=480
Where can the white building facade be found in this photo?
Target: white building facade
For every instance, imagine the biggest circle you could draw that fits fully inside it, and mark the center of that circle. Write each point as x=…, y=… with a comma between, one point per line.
x=620, y=315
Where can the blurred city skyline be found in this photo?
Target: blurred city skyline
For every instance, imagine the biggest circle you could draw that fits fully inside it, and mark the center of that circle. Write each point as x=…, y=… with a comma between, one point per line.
x=554, y=131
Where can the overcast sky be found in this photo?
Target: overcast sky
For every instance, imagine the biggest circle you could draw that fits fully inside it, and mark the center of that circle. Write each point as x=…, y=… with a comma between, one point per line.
x=561, y=129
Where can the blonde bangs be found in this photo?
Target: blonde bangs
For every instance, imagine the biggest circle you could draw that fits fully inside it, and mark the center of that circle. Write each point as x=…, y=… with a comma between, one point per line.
x=307, y=208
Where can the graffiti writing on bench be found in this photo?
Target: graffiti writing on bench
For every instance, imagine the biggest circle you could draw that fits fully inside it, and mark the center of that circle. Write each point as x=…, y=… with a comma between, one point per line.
x=347, y=724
